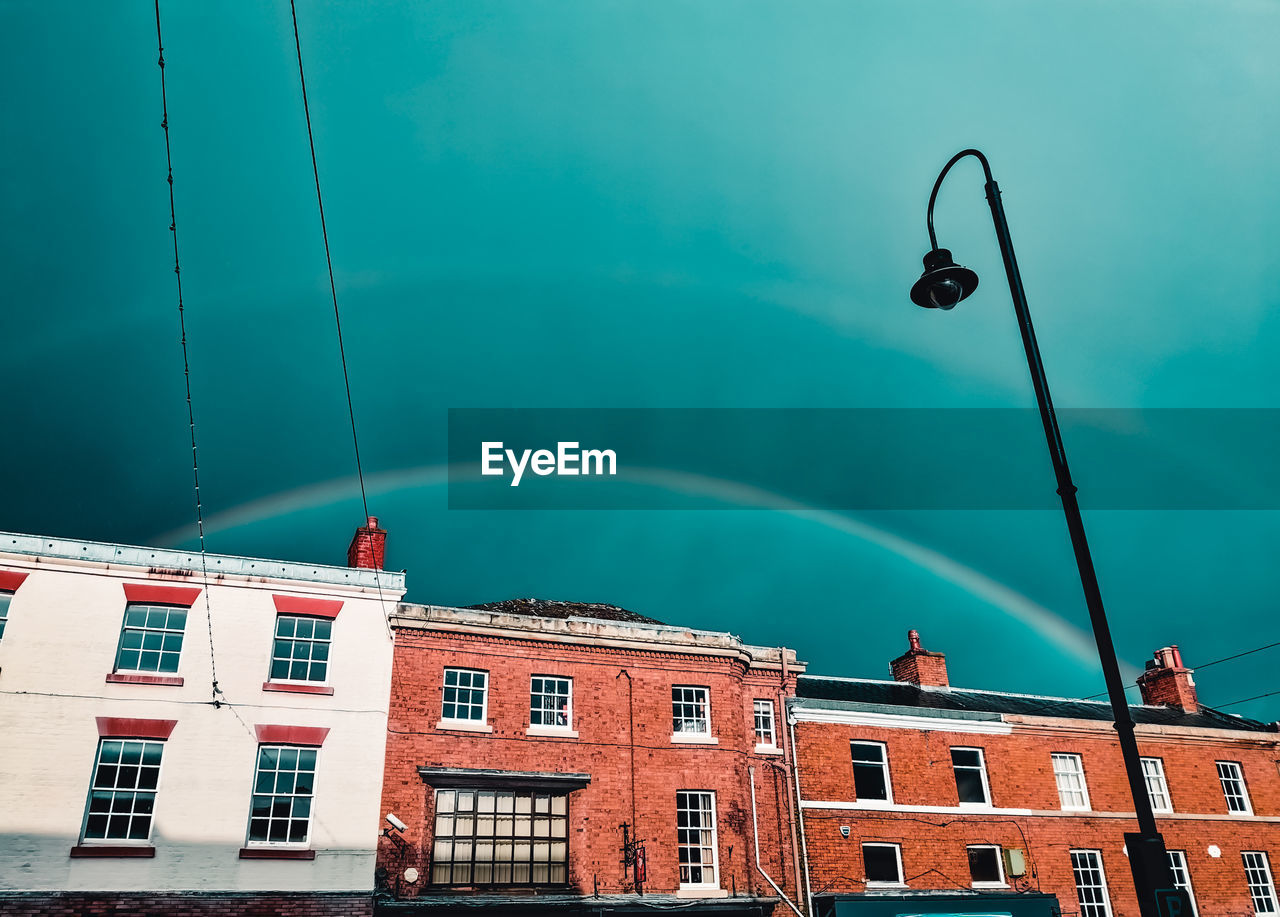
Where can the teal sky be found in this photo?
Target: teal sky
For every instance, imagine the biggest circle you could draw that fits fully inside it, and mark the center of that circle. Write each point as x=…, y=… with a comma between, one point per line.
x=609, y=204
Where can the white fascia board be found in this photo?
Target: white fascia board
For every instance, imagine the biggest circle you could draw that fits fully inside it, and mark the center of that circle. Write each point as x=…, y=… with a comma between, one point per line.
x=900, y=721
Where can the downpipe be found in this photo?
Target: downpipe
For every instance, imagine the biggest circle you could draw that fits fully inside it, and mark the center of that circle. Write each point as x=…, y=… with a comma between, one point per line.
x=755, y=836
x=804, y=845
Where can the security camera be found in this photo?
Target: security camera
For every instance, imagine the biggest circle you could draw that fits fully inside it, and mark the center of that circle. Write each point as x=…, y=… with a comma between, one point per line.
x=396, y=823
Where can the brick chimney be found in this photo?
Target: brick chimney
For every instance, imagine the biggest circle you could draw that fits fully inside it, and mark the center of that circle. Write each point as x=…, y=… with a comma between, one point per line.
x=919, y=666
x=368, y=546
x=1167, y=682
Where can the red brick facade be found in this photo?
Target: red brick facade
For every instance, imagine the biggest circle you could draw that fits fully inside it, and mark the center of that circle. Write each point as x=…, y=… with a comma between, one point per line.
x=622, y=677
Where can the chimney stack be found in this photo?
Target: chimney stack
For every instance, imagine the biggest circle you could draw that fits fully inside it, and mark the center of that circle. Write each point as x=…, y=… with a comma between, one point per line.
x=368, y=546
x=919, y=666
x=1167, y=682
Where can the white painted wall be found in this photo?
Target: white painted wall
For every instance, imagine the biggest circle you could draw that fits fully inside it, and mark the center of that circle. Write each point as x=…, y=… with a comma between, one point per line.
x=59, y=645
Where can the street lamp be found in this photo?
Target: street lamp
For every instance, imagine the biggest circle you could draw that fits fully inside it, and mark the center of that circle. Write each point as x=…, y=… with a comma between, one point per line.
x=942, y=285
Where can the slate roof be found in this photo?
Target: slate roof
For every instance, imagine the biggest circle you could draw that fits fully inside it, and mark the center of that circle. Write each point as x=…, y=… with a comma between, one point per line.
x=922, y=700
x=549, y=608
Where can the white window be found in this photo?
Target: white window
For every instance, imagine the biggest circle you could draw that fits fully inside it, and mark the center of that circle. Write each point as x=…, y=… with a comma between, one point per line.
x=500, y=837
x=696, y=839
x=1157, y=786
x=1257, y=872
x=1231, y=777
x=1068, y=772
x=986, y=866
x=690, y=710
x=122, y=796
x=301, y=649
x=283, y=790
x=766, y=735
x=466, y=695
x=151, y=638
x=1182, y=877
x=551, y=702
x=1091, y=883
x=971, y=776
x=4, y=610
x=883, y=864
x=871, y=771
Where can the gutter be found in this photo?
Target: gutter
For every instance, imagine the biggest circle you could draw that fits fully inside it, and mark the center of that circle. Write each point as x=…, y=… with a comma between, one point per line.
x=755, y=836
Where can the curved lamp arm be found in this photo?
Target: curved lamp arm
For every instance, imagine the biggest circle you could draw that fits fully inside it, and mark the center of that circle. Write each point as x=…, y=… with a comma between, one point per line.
x=986, y=170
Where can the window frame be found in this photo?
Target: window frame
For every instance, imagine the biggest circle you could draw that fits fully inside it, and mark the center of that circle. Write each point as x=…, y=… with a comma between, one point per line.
x=1084, y=782
x=884, y=767
x=6, y=599
x=1102, y=879
x=1003, y=881
x=1239, y=779
x=328, y=641
x=1162, y=787
x=1178, y=863
x=1264, y=865
x=166, y=631
x=982, y=774
x=269, y=844
x=761, y=743
x=679, y=734
x=105, y=841
x=484, y=698
x=714, y=884
x=567, y=727
x=476, y=839
x=882, y=883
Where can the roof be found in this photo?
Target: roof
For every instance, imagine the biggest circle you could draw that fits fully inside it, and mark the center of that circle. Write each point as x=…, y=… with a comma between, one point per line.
x=550, y=608
x=921, y=700
x=176, y=561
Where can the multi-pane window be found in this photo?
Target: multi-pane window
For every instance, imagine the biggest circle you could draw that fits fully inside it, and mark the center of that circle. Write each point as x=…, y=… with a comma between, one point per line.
x=1068, y=773
x=985, y=866
x=870, y=771
x=283, y=789
x=551, y=701
x=4, y=610
x=301, y=648
x=1257, y=872
x=1231, y=777
x=123, y=795
x=466, y=694
x=766, y=734
x=690, y=710
x=499, y=837
x=1182, y=877
x=696, y=838
x=1091, y=883
x=971, y=776
x=1157, y=786
x=883, y=863
x=151, y=638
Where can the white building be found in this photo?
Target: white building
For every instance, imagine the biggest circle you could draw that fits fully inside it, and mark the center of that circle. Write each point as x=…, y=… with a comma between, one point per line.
x=124, y=773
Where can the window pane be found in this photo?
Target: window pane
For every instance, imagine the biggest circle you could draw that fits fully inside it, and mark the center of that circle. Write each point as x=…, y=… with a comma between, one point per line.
x=478, y=847
x=881, y=862
x=969, y=785
x=299, y=641
x=123, y=795
x=281, y=807
x=984, y=864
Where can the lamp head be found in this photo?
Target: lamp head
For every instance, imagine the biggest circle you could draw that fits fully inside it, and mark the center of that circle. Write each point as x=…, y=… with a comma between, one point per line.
x=943, y=283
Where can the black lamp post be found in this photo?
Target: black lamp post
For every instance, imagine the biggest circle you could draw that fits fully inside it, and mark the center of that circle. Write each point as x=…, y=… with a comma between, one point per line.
x=943, y=284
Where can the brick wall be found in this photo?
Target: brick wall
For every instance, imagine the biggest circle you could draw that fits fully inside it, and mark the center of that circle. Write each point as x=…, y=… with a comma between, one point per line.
x=935, y=834
x=608, y=711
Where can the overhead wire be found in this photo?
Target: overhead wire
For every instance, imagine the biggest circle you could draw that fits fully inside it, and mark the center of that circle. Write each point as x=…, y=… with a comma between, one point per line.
x=186, y=363
x=1202, y=667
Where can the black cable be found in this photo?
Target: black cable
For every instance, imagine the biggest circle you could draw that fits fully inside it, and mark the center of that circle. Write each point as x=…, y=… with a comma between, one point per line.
x=1198, y=668
x=1255, y=697
x=186, y=362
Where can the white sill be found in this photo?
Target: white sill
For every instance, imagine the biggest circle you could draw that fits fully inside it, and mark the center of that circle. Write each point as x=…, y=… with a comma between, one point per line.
x=694, y=738
x=874, y=803
x=768, y=750
x=701, y=891
x=563, y=732
x=989, y=884
x=464, y=726
x=871, y=884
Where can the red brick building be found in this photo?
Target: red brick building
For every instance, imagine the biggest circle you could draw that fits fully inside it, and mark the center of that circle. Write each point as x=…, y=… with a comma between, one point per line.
x=912, y=788
x=524, y=735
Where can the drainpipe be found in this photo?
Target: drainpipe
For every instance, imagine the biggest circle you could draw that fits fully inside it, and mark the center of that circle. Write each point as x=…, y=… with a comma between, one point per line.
x=788, y=760
x=804, y=847
x=755, y=836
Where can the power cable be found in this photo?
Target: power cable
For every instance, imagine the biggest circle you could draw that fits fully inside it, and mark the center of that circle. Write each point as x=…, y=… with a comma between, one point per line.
x=186, y=362
x=1199, y=668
